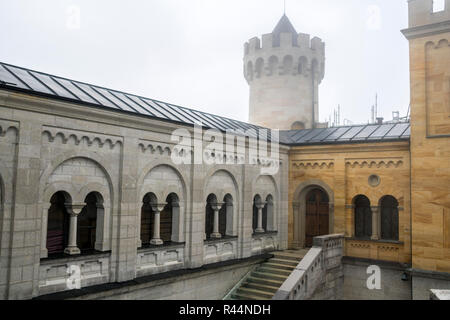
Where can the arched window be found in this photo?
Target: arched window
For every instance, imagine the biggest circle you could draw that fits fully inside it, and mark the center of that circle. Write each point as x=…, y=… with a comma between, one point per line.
x=363, y=217
x=87, y=222
x=58, y=223
x=389, y=218
x=302, y=65
x=167, y=217
x=256, y=199
x=147, y=218
x=259, y=67
x=298, y=126
x=288, y=62
x=250, y=70
x=209, y=212
x=273, y=66
x=268, y=215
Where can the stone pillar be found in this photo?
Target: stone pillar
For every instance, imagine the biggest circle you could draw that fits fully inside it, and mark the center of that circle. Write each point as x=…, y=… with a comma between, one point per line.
x=260, y=207
x=156, y=239
x=375, y=223
x=296, y=228
x=74, y=210
x=216, y=234
x=44, y=251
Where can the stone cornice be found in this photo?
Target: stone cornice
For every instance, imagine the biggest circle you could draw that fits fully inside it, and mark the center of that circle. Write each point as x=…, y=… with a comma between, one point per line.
x=427, y=30
x=352, y=148
x=53, y=107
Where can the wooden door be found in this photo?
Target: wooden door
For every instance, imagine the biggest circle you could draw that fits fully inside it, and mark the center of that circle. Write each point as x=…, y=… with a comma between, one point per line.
x=317, y=215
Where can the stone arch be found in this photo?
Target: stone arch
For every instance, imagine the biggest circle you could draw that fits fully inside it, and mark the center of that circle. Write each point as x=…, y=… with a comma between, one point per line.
x=362, y=217
x=265, y=185
x=59, y=160
x=298, y=125
x=57, y=231
x=299, y=208
x=162, y=180
x=389, y=218
x=222, y=183
x=78, y=176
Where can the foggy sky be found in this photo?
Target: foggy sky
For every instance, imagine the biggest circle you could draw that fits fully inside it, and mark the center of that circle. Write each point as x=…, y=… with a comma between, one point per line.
x=190, y=52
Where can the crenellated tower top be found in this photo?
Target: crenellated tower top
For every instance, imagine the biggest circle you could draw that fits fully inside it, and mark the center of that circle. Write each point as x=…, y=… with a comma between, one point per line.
x=284, y=69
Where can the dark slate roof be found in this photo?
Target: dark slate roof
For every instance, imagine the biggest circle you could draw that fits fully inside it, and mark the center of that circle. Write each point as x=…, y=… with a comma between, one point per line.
x=284, y=26
x=351, y=134
x=42, y=84
x=21, y=79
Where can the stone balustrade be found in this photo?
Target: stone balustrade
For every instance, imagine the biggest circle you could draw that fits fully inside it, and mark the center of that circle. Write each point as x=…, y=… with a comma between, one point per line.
x=319, y=275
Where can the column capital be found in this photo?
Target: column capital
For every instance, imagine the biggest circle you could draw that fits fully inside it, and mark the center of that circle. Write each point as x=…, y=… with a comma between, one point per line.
x=217, y=206
x=158, y=207
x=260, y=205
x=74, y=209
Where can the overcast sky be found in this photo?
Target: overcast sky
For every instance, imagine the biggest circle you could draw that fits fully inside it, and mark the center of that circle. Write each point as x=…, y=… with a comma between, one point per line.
x=190, y=52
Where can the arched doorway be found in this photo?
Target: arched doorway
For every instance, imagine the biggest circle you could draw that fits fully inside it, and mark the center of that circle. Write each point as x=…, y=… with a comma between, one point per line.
x=317, y=215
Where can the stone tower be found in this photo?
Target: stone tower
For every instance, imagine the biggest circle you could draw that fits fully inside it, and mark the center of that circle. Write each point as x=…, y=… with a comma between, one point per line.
x=284, y=73
x=429, y=41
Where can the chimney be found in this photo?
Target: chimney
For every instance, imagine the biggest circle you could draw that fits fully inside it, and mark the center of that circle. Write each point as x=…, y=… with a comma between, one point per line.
x=380, y=120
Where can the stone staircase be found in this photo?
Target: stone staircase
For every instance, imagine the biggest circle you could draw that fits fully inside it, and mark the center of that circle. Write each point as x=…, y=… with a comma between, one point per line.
x=266, y=279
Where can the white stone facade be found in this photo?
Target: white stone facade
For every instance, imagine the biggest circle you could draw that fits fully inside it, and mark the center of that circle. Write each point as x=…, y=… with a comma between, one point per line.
x=49, y=146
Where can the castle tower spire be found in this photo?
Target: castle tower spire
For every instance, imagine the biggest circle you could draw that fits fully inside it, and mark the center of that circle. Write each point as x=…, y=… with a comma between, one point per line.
x=284, y=71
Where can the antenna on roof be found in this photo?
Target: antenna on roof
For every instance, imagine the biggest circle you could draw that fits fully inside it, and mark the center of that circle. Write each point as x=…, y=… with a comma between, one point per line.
x=285, y=7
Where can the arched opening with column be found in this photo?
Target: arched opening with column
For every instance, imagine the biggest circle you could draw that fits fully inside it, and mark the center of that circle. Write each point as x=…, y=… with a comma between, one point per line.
x=58, y=223
x=315, y=199
x=389, y=218
x=162, y=189
x=87, y=236
x=257, y=205
x=147, y=218
x=169, y=216
x=268, y=213
x=89, y=209
x=363, y=217
x=226, y=216
x=211, y=206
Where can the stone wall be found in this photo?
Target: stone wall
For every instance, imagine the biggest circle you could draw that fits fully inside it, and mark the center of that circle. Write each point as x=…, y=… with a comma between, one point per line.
x=343, y=171
x=429, y=38
x=48, y=146
x=392, y=285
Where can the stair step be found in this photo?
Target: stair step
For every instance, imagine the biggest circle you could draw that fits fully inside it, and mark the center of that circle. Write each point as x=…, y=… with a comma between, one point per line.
x=245, y=296
x=289, y=256
x=265, y=275
x=265, y=281
x=293, y=263
x=268, y=269
x=260, y=287
x=278, y=266
x=254, y=292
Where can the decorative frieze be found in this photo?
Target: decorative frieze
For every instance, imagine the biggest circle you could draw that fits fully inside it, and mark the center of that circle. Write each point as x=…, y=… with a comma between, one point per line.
x=68, y=136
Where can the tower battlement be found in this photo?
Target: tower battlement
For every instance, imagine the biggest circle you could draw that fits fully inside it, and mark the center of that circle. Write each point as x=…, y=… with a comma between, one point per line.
x=284, y=69
x=421, y=12
x=284, y=54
